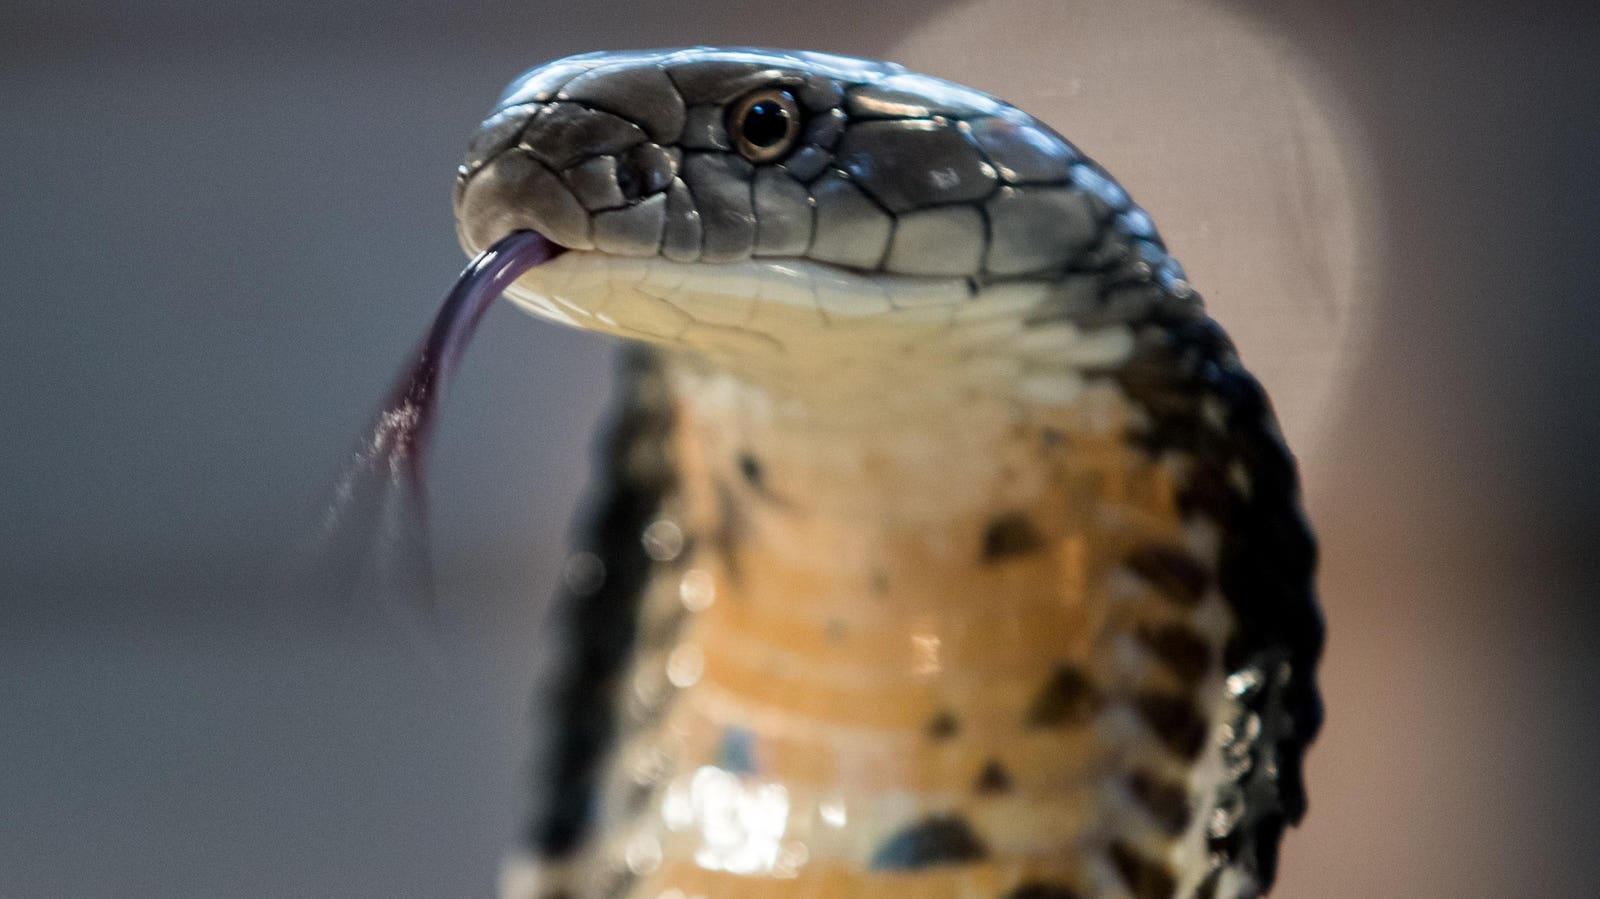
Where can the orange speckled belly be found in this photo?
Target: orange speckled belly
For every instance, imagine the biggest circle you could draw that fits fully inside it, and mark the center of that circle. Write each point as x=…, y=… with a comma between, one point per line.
x=845, y=686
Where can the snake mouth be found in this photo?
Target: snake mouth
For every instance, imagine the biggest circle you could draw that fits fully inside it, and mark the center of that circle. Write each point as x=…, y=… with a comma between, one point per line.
x=752, y=306
x=756, y=310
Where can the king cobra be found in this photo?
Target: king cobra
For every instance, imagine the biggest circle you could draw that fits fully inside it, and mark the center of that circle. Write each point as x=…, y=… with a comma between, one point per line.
x=942, y=547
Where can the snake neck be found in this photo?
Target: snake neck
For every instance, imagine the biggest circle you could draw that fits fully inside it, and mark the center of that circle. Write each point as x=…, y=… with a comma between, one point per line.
x=907, y=612
x=837, y=433
x=917, y=468
x=911, y=420
x=911, y=441
x=929, y=593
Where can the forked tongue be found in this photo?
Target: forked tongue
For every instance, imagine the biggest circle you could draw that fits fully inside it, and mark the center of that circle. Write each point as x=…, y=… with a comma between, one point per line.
x=374, y=529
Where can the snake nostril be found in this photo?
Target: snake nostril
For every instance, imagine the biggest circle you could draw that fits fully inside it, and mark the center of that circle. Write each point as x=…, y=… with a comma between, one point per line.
x=644, y=170
x=629, y=182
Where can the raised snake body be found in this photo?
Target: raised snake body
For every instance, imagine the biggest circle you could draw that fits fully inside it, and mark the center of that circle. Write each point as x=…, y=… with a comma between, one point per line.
x=943, y=546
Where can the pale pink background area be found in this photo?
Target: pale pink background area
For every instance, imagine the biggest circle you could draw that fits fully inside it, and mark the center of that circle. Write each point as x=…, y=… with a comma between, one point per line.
x=222, y=224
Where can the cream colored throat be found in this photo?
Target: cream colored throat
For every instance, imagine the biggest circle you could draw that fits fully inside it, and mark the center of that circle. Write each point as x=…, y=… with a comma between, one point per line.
x=830, y=347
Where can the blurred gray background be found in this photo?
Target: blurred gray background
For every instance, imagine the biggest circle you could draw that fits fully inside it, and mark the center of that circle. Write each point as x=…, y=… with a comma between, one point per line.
x=223, y=224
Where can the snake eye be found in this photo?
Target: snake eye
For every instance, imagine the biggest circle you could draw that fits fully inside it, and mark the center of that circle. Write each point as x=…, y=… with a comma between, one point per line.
x=764, y=124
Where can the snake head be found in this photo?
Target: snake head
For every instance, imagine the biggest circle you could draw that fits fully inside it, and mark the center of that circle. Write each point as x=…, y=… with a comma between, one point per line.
x=813, y=174
x=706, y=155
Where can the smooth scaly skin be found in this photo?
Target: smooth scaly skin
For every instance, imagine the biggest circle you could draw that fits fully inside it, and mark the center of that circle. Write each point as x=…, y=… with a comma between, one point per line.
x=944, y=547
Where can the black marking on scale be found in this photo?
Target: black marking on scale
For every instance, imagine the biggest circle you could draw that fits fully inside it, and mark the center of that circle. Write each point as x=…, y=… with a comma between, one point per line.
x=1068, y=698
x=1146, y=878
x=1178, y=647
x=1171, y=570
x=1167, y=802
x=943, y=726
x=993, y=780
x=936, y=840
x=1175, y=721
x=754, y=475
x=1010, y=535
x=750, y=468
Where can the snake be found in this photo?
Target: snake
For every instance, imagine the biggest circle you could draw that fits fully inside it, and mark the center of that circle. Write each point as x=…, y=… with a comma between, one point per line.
x=940, y=543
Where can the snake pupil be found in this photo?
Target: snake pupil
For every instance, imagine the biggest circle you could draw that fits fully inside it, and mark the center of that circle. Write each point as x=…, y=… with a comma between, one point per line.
x=766, y=123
